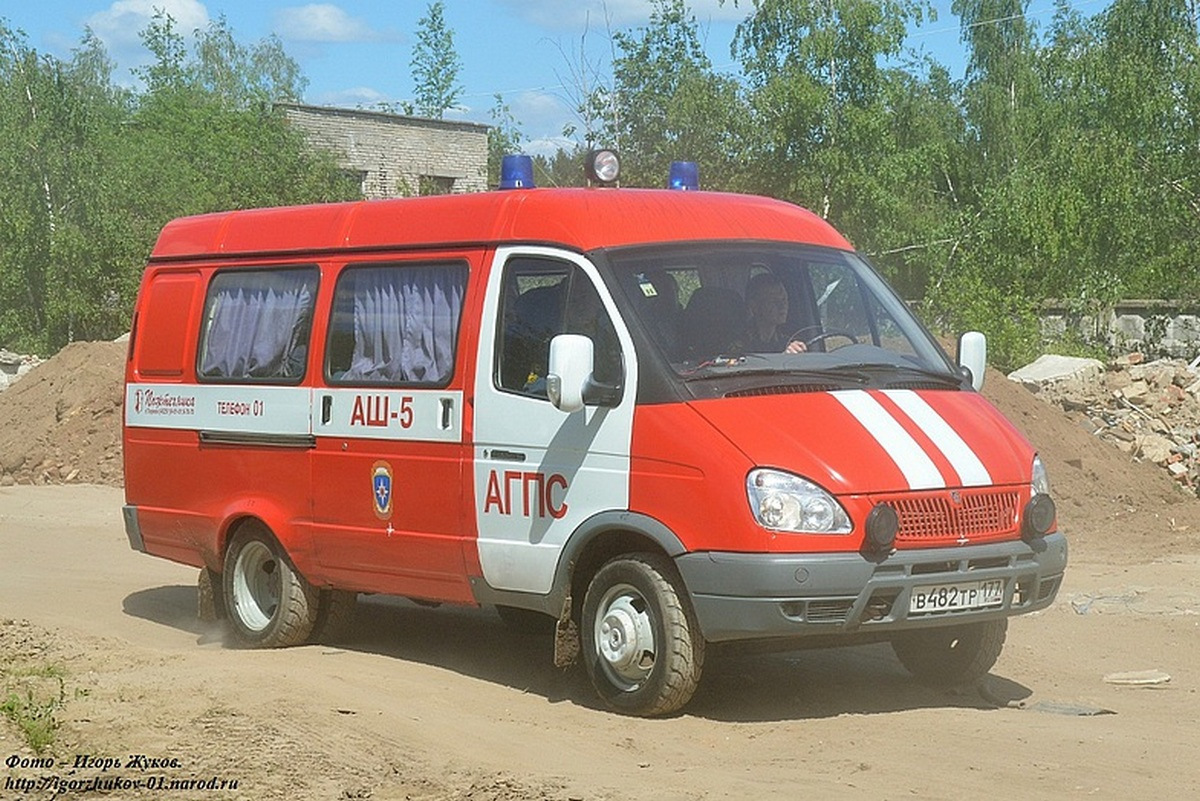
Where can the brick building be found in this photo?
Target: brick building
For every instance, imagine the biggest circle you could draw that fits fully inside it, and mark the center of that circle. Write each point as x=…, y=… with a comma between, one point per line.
x=395, y=155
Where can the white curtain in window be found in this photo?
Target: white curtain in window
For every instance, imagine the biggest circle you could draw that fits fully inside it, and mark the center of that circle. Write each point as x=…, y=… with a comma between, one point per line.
x=259, y=325
x=405, y=323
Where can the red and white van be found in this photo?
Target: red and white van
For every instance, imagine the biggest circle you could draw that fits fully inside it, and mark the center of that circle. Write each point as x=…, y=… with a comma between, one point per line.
x=665, y=419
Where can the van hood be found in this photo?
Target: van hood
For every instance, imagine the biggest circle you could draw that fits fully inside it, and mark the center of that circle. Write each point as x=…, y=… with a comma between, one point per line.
x=876, y=441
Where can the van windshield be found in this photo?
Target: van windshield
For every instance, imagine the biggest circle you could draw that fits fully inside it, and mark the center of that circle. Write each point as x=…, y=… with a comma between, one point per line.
x=725, y=309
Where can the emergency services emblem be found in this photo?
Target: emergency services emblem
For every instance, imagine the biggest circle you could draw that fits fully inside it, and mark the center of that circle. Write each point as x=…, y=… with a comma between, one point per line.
x=381, y=489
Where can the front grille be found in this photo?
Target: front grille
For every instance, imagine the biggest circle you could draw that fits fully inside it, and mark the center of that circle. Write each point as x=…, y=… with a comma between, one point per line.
x=948, y=517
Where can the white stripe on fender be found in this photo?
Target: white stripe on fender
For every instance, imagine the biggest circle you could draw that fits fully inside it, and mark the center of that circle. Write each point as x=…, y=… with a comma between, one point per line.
x=964, y=461
x=919, y=470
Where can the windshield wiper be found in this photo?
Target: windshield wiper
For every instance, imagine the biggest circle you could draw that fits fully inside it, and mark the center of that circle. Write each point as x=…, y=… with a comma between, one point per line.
x=949, y=379
x=729, y=367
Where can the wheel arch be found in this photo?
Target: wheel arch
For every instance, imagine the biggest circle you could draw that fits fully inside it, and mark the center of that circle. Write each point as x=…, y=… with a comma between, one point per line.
x=599, y=539
x=274, y=519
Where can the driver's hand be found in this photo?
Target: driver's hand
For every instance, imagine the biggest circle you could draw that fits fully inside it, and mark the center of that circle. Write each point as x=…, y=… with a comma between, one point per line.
x=795, y=346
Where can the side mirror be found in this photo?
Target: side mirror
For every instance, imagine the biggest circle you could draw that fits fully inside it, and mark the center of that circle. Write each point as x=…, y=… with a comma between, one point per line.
x=972, y=356
x=569, y=382
x=571, y=360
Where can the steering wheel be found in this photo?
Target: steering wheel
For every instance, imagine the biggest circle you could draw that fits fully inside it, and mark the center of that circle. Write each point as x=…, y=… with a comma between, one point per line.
x=820, y=337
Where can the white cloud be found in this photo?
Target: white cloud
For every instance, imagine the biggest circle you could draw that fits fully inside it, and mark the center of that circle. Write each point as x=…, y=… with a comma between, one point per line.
x=548, y=146
x=354, y=97
x=121, y=23
x=325, y=22
x=573, y=15
x=540, y=112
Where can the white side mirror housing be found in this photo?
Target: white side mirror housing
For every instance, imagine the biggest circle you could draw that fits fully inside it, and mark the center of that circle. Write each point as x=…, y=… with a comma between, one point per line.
x=972, y=354
x=571, y=360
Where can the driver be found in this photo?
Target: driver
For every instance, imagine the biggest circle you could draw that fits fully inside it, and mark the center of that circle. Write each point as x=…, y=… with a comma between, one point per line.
x=767, y=303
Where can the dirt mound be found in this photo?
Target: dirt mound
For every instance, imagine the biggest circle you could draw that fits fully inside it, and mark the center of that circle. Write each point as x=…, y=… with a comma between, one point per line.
x=61, y=423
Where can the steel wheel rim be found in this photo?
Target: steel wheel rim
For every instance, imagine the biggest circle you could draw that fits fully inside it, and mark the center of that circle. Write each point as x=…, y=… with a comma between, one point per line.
x=256, y=588
x=624, y=636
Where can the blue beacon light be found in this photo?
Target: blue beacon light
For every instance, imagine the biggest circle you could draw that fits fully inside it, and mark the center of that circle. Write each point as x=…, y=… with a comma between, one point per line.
x=685, y=175
x=516, y=172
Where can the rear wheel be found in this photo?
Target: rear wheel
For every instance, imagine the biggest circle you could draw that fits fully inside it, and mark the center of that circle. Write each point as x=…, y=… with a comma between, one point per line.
x=210, y=603
x=951, y=655
x=641, y=645
x=268, y=602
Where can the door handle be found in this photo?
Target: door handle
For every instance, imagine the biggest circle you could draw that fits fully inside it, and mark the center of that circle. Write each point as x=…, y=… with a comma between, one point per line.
x=508, y=456
x=326, y=409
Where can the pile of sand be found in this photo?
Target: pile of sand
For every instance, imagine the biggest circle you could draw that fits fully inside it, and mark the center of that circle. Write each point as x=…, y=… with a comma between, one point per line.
x=62, y=424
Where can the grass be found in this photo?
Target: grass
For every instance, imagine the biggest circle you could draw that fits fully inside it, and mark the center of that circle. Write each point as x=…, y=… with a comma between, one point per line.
x=33, y=697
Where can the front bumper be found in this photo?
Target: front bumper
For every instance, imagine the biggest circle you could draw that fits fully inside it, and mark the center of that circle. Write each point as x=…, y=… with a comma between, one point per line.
x=739, y=596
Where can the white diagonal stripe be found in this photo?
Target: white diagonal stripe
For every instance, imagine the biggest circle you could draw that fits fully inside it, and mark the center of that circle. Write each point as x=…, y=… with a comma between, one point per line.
x=918, y=469
x=964, y=461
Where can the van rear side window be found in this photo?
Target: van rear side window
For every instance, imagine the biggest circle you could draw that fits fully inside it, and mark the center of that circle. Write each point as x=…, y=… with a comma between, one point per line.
x=257, y=325
x=396, y=324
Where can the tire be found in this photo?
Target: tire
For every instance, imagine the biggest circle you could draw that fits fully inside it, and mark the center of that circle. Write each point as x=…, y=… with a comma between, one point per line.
x=641, y=645
x=335, y=616
x=210, y=603
x=526, y=621
x=269, y=604
x=952, y=655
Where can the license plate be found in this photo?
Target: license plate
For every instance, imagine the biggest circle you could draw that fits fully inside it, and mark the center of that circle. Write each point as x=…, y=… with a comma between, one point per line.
x=956, y=597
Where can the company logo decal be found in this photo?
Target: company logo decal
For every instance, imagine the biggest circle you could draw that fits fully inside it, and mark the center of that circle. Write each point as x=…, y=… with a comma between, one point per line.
x=381, y=489
x=148, y=401
x=887, y=427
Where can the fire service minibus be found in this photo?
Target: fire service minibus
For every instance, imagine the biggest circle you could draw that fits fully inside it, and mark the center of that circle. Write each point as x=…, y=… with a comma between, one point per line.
x=666, y=419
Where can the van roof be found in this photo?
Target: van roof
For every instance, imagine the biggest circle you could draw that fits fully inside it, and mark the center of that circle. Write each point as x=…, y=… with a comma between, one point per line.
x=580, y=219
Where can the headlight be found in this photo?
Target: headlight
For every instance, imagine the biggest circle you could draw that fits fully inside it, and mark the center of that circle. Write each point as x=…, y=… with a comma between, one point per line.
x=784, y=502
x=1040, y=513
x=1041, y=482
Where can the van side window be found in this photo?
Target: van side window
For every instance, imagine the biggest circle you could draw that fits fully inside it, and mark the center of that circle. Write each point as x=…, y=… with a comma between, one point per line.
x=543, y=298
x=256, y=325
x=396, y=324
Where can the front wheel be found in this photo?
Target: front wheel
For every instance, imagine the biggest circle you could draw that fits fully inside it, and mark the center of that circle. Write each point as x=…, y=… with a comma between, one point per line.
x=270, y=605
x=642, y=647
x=951, y=655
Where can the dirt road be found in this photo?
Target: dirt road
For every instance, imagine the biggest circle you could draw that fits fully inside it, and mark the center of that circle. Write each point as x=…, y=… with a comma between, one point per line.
x=450, y=704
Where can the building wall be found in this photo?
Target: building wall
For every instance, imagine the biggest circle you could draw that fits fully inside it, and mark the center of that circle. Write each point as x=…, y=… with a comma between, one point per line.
x=398, y=155
x=1159, y=327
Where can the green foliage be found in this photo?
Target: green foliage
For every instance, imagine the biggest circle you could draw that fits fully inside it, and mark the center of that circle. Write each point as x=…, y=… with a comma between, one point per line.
x=435, y=64
x=667, y=104
x=89, y=172
x=564, y=168
x=962, y=301
x=817, y=92
x=245, y=76
x=504, y=138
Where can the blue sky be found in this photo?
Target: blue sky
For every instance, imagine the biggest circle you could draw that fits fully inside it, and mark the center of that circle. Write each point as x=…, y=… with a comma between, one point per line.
x=358, y=52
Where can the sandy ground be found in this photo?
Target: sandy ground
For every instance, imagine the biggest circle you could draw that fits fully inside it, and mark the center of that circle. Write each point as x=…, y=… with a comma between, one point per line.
x=450, y=704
